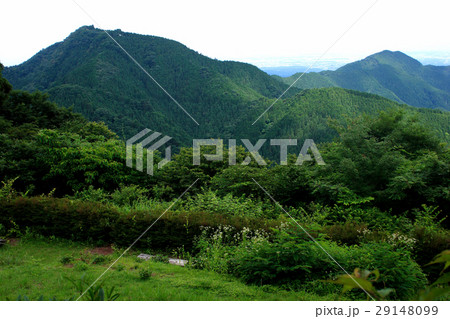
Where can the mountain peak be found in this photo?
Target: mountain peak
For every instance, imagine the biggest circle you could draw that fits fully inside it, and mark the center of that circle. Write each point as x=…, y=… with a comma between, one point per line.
x=90, y=71
x=394, y=57
x=391, y=74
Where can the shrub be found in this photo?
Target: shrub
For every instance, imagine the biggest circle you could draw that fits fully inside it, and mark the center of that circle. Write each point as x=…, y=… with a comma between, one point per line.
x=66, y=260
x=288, y=258
x=429, y=243
x=120, y=267
x=430, y=237
x=99, y=259
x=428, y=217
x=144, y=274
x=213, y=249
x=7, y=191
x=210, y=202
x=275, y=263
x=217, y=246
x=92, y=195
x=81, y=266
x=397, y=269
x=291, y=259
x=128, y=195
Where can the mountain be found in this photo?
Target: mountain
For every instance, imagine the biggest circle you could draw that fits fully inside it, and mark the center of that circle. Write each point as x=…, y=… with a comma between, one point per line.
x=89, y=71
x=307, y=114
x=393, y=75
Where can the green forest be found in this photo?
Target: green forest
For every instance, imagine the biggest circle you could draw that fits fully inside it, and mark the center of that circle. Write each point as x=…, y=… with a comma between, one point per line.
x=378, y=207
x=90, y=73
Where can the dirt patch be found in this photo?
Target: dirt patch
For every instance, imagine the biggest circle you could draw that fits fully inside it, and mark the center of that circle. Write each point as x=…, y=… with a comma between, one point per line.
x=68, y=265
x=13, y=241
x=106, y=250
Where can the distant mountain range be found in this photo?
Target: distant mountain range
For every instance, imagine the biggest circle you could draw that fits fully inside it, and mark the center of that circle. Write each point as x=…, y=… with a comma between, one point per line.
x=91, y=73
x=285, y=71
x=393, y=75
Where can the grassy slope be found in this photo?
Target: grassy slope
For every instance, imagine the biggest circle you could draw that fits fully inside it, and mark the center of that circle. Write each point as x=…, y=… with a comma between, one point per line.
x=33, y=268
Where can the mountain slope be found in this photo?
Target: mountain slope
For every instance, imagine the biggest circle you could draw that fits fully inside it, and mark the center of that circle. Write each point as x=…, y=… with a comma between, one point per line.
x=393, y=75
x=306, y=115
x=91, y=72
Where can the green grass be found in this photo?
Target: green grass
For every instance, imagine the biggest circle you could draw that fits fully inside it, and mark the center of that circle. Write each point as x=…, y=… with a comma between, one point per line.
x=33, y=268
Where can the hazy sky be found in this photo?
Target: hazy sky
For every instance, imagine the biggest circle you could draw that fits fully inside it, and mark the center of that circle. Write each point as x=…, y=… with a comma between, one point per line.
x=251, y=31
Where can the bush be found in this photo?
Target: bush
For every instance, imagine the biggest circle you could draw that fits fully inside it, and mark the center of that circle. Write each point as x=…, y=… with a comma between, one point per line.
x=128, y=195
x=92, y=195
x=99, y=260
x=430, y=237
x=95, y=222
x=275, y=263
x=397, y=269
x=289, y=259
x=81, y=266
x=66, y=260
x=120, y=267
x=230, y=205
x=217, y=246
x=144, y=274
x=7, y=191
x=429, y=243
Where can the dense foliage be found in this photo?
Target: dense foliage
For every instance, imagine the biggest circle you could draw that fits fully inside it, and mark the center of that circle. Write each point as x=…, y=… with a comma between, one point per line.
x=379, y=203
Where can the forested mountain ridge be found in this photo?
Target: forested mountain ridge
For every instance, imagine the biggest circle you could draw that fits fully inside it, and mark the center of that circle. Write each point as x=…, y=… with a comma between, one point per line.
x=393, y=75
x=91, y=72
x=308, y=114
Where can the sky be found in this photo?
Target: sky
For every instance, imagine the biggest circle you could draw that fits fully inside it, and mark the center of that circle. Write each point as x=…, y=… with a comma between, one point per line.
x=265, y=33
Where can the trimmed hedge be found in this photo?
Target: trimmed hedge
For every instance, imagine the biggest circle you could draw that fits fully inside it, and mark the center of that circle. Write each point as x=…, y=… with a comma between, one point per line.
x=95, y=222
